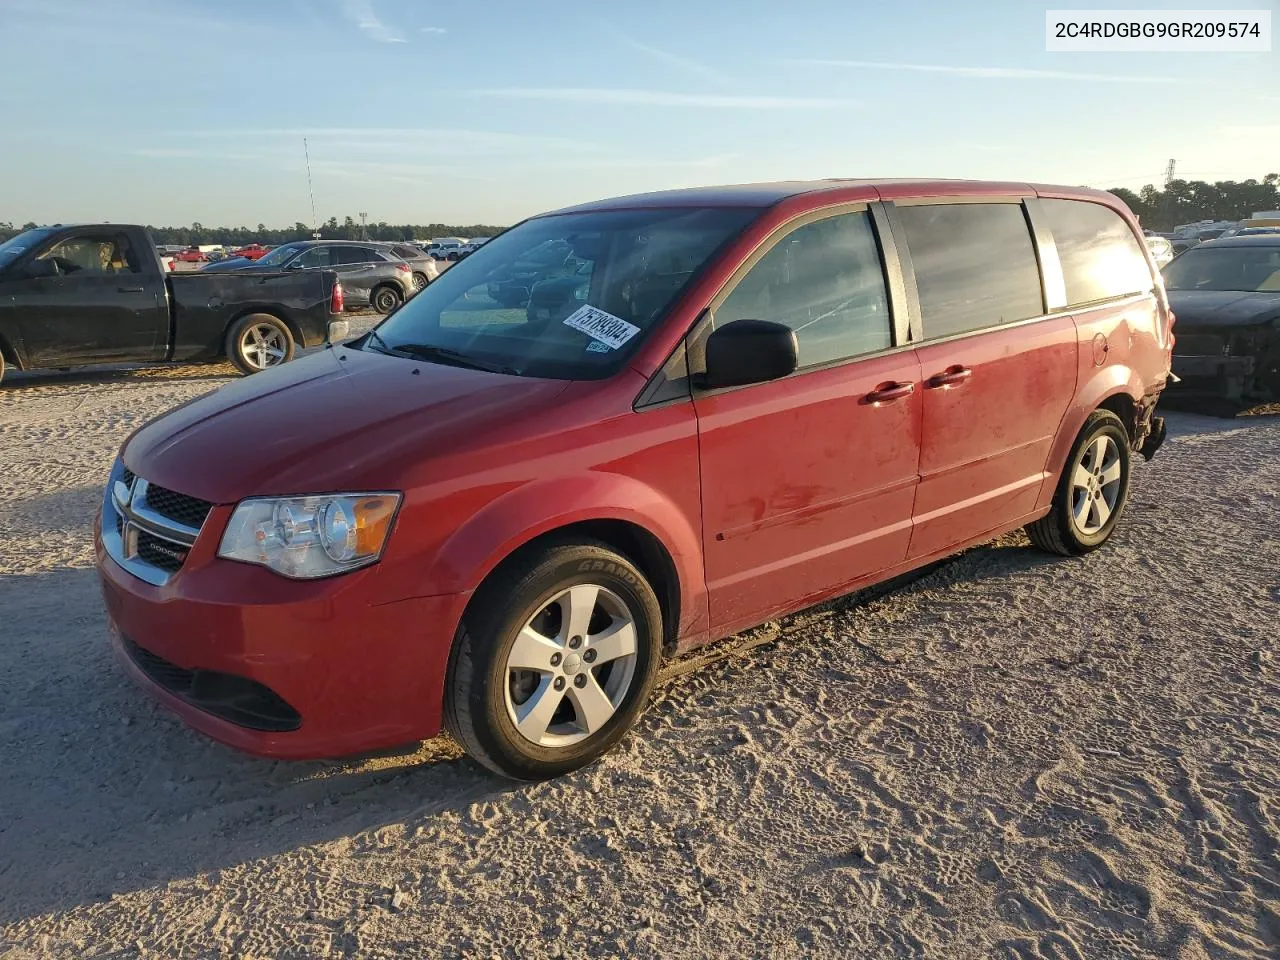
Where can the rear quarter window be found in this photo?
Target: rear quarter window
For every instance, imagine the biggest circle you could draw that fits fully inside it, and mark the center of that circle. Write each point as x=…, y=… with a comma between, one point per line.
x=1101, y=258
x=975, y=265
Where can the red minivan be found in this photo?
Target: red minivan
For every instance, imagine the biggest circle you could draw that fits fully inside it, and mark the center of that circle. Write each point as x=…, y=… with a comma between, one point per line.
x=618, y=431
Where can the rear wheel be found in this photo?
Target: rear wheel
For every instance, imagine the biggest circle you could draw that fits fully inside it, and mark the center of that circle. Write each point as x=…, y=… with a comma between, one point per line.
x=1092, y=491
x=420, y=280
x=259, y=341
x=385, y=299
x=555, y=661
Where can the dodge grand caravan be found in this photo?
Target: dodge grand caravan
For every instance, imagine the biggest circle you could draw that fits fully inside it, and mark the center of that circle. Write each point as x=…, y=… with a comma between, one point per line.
x=727, y=404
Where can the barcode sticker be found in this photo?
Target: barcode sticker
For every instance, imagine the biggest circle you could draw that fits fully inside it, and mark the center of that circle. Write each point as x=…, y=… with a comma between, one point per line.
x=599, y=325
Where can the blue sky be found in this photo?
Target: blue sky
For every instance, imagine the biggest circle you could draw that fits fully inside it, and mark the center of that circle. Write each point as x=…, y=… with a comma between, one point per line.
x=169, y=111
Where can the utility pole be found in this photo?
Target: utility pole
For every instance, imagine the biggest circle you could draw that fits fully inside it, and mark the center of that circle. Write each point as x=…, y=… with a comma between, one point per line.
x=363, y=218
x=315, y=226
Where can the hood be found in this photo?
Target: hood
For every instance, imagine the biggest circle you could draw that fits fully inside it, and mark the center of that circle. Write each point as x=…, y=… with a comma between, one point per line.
x=340, y=419
x=1222, y=308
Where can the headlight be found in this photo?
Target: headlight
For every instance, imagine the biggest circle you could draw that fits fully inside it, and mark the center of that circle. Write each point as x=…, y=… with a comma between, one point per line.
x=308, y=537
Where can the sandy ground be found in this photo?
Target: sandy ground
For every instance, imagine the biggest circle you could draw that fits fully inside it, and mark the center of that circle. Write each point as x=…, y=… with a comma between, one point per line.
x=1016, y=756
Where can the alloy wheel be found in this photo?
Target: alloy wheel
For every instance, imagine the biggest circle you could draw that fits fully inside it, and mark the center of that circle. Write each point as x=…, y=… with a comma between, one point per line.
x=262, y=346
x=1095, y=485
x=571, y=666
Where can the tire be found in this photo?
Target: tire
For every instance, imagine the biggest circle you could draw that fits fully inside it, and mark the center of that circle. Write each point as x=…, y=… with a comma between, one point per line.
x=1087, y=505
x=385, y=298
x=1, y=366
x=420, y=280
x=259, y=341
x=489, y=699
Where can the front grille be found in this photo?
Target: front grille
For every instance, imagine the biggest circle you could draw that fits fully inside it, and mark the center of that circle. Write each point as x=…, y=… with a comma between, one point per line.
x=190, y=511
x=149, y=530
x=1198, y=345
x=172, y=677
x=160, y=552
x=237, y=700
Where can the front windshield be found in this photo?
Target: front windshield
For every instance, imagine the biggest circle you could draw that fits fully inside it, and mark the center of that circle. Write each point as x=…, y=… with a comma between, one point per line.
x=279, y=255
x=15, y=247
x=1246, y=269
x=568, y=296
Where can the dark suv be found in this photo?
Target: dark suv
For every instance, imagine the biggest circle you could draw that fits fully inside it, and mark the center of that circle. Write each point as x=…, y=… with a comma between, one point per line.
x=371, y=275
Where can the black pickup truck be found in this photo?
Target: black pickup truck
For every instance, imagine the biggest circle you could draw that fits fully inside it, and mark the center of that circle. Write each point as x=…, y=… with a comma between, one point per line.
x=98, y=293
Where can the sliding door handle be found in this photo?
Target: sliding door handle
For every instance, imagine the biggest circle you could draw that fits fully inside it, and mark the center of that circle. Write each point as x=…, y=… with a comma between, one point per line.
x=890, y=391
x=951, y=377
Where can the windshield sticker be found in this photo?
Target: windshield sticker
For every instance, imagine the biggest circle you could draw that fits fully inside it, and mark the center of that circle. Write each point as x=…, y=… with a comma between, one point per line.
x=595, y=346
x=604, y=327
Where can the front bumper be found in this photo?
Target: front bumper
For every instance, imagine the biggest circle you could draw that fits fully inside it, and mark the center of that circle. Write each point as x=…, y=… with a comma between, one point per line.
x=359, y=675
x=1217, y=376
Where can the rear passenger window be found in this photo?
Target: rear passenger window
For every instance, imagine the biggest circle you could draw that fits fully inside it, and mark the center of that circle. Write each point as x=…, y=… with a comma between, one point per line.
x=343, y=256
x=1100, y=255
x=825, y=281
x=975, y=265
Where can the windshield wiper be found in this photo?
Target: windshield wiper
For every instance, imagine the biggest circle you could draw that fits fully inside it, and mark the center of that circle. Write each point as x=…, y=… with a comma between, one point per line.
x=443, y=355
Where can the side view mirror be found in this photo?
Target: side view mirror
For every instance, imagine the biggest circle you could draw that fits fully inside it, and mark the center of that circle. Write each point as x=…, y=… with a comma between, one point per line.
x=41, y=269
x=749, y=351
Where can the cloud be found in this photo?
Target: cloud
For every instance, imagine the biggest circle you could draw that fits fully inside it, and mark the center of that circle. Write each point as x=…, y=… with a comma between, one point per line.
x=984, y=73
x=662, y=98
x=689, y=66
x=360, y=12
x=366, y=139
x=163, y=153
x=433, y=30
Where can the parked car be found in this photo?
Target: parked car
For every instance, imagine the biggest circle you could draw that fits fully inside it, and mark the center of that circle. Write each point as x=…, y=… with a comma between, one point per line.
x=772, y=395
x=99, y=293
x=191, y=255
x=446, y=248
x=252, y=251
x=1226, y=296
x=370, y=274
x=1161, y=250
x=471, y=246
x=424, y=266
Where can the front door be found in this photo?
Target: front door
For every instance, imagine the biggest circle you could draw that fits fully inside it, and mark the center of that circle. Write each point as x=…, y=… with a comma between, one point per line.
x=808, y=481
x=998, y=375
x=92, y=303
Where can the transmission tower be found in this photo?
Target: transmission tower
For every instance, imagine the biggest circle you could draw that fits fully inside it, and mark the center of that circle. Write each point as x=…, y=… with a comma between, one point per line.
x=1168, y=172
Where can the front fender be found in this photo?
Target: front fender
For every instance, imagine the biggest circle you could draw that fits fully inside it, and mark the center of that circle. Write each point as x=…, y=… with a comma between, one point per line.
x=492, y=534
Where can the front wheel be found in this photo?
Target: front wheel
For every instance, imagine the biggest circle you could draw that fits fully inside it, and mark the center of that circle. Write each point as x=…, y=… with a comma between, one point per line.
x=259, y=341
x=1092, y=491
x=386, y=299
x=554, y=662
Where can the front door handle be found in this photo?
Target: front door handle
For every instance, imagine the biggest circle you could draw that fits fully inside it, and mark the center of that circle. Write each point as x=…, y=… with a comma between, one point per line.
x=129, y=289
x=951, y=377
x=890, y=391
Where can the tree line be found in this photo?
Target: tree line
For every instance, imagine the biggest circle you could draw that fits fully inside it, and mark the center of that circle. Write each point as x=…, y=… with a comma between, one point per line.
x=1186, y=201
x=1181, y=201
x=332, y=229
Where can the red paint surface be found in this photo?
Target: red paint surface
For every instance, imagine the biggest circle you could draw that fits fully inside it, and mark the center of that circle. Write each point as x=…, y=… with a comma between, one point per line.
x=765, y=498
